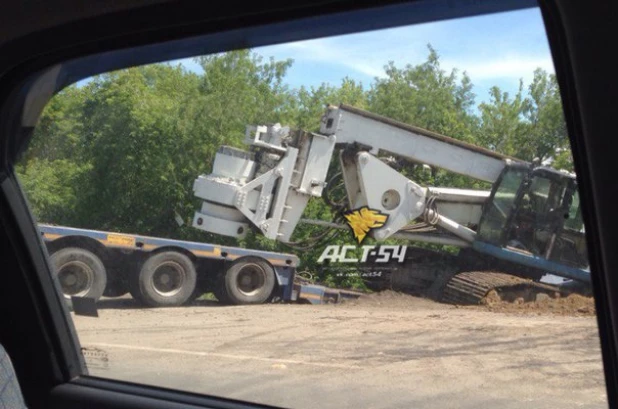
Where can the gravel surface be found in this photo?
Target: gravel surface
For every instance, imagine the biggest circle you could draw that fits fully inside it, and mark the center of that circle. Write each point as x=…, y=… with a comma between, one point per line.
x=387, y=350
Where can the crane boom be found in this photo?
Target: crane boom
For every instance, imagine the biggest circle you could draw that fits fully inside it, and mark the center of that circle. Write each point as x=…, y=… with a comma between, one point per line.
x=271, y=189
x=353, y=125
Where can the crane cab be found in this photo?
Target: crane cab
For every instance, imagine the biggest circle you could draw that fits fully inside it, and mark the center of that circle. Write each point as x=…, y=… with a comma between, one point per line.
x=535, y=211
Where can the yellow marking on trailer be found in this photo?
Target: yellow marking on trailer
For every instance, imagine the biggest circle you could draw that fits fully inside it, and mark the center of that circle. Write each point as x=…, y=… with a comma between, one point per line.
x=310, y=295
x=149, y=246
x=120, y=240
x=216, y=252
x=276, y=261
x=52, y=236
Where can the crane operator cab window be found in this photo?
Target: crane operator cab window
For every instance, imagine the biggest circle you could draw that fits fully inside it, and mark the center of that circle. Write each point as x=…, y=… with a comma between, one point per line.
x=535, y=221
x=537, y=212
x=558, y=232
x=500, y=206
x=548, y=222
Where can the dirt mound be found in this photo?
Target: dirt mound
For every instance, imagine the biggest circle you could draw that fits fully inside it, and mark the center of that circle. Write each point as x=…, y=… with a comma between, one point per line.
x=574, y=305
x=394, y=299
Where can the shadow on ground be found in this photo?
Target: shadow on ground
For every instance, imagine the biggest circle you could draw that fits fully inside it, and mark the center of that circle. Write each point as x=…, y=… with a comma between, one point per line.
x=128, y=303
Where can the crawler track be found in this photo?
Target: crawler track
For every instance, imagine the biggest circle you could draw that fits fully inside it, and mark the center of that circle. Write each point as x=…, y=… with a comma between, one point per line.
x=471, y=288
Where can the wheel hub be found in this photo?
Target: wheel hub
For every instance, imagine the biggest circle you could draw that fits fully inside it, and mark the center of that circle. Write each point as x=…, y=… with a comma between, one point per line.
x=70, y=279
x=169, y=278
x=251, y=278
x=76, y=278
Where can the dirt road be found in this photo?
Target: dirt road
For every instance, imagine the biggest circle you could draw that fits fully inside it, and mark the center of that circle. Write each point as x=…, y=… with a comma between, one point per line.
x=399, y=352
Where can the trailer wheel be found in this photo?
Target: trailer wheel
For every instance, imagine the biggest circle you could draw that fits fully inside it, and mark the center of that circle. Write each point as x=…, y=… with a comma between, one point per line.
x=165, y=280
x=219, y=290
x=80, y=273
x=250, y=280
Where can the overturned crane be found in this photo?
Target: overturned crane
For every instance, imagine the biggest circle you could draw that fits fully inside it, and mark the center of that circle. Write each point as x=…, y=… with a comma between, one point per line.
x=528, y=225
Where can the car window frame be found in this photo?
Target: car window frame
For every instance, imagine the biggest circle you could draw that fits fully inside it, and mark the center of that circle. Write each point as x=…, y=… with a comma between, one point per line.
x=20, y=227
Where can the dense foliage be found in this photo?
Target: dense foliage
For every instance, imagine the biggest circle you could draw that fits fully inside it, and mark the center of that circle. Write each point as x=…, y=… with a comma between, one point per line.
x=120, y=153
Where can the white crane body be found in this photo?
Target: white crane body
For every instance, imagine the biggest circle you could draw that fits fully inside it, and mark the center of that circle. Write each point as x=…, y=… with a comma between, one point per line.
x=269, y=188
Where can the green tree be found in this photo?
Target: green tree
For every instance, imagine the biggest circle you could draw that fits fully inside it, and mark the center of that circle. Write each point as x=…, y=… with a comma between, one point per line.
x=52, y=166
x=150, y=131
x=426, y=96
x=528, y=126
x=503, y=129
x=51, y=187
x=548, y=134
x=59, y=130
x=136, y=135
x=239, y=88
x=307, y=105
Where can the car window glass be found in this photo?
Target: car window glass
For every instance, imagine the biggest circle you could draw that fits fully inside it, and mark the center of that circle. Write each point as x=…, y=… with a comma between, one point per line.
x=333, y=222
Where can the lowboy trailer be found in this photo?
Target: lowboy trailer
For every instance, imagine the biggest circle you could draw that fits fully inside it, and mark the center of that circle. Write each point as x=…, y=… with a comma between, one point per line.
x=160, y=272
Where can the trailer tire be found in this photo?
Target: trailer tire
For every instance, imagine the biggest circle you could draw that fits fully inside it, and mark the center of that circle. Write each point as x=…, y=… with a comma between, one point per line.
x=135, y=291
x=250, y=280
x=219, y=290
x=166, y=279
x=80, y=273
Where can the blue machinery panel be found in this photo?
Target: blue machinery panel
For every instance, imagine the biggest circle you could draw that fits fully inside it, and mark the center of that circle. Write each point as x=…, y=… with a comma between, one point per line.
x=533, y=261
